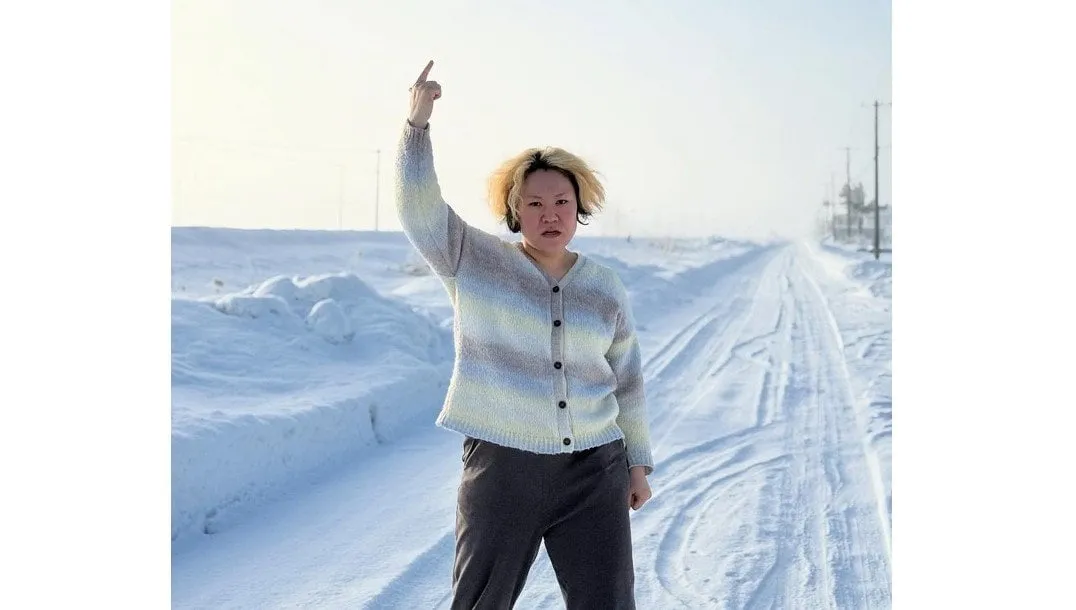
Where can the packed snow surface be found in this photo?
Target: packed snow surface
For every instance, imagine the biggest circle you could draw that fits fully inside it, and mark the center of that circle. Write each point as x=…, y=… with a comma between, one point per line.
x=308, y=367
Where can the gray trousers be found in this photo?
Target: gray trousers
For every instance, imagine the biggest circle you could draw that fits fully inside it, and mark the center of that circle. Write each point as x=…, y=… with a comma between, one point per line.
x=510, y=501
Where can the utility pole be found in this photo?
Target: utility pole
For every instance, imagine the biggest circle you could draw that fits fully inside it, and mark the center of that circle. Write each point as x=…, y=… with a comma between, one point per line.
x=377, y=191
x=848, y=184
x=877, y=194
x=877, y=214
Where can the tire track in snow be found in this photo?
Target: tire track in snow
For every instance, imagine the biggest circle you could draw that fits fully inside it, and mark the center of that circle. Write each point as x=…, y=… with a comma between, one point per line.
x=720, y=351
x=727, y=458
x=683, y=359
x=694, y=488
x=825, y=483
x=817, y=543
x=667, y=356
x=676, y=541
x=676, y=347
x=789, y=569
x=877, y=485
x=770, y=589
x=779, y=355
x=855, y=557
x=781, y=505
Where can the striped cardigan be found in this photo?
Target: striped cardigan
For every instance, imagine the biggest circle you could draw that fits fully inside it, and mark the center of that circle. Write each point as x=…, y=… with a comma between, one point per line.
x=540, y=365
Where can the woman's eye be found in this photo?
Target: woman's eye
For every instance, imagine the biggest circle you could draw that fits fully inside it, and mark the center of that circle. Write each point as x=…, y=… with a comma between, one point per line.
x=562, y=202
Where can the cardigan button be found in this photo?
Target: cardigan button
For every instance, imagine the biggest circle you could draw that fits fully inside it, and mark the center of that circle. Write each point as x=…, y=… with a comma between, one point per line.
x=562, y=404
x=556, y=289
x=556, y=365
x=556, y=322
x=567, y=441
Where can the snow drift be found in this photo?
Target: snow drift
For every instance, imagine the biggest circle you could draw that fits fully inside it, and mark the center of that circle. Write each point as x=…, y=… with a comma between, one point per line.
x=288, y=378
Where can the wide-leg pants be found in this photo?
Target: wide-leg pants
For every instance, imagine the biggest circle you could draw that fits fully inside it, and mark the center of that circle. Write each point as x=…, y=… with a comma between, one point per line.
x=510, y=501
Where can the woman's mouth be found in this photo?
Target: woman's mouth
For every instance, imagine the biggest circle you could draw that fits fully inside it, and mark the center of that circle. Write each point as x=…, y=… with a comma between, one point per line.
x=550, y=233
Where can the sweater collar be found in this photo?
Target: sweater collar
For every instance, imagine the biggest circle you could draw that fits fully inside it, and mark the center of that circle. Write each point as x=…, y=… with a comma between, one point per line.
x=572, y=271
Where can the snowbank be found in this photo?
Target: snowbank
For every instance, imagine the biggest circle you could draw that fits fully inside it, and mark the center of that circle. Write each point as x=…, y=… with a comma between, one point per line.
x=289, y=378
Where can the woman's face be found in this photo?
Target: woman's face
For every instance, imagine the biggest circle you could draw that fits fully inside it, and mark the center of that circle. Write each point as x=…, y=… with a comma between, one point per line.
x=547, y=211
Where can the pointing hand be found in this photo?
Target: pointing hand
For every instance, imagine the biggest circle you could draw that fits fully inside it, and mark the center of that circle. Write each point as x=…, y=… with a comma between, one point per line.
x=423, y=93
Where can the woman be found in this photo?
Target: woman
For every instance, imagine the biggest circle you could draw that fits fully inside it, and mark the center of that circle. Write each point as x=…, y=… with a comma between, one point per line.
x=547, y=384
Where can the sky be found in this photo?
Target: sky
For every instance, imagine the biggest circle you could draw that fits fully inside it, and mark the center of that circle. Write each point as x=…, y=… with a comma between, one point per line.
x=702, y=117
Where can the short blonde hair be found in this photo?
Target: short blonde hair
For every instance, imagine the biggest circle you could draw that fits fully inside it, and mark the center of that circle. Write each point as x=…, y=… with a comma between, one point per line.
x=506, y=182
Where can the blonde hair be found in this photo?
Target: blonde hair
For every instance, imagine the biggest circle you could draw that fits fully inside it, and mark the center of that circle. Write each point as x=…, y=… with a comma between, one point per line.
x=506, y=182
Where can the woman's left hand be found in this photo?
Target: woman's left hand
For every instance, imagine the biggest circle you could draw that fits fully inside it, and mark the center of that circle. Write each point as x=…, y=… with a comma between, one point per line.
x=639, y=488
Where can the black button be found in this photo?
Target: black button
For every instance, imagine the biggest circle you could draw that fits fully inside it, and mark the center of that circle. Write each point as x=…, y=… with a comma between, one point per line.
x=556, y=365
x=556, y=322
x=562, y=404
x=556, y=289
x=567, y=441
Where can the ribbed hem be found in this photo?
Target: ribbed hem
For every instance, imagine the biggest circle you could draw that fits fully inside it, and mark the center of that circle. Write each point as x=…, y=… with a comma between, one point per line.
x=548, y=444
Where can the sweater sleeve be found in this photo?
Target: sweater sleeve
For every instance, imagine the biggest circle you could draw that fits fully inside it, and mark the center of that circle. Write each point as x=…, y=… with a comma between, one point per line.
x=431, y=225
x=626, y=361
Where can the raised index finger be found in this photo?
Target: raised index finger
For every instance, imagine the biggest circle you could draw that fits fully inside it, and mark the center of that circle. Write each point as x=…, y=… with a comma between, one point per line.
x=425, y=73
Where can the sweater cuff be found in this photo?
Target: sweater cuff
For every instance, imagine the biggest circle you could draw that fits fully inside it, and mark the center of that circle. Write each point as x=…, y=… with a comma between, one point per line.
x=640, y=458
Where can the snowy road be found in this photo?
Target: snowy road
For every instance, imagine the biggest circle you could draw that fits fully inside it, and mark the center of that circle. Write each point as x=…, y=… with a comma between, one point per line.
x=767, y=493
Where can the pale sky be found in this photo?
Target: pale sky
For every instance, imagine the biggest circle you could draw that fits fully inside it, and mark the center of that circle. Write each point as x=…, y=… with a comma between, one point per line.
x=704, y=117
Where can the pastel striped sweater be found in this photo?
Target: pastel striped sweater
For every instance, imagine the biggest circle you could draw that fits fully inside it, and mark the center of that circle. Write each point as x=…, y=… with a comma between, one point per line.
x=540, y=365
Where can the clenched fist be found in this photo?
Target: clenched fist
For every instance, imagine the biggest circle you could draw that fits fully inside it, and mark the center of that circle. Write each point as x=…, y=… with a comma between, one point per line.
x=639, y=488
x=423, y=93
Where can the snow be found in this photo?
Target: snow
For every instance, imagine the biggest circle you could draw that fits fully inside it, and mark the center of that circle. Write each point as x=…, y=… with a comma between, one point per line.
x=308, y=368
x=280, y=378
x=860, y=293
